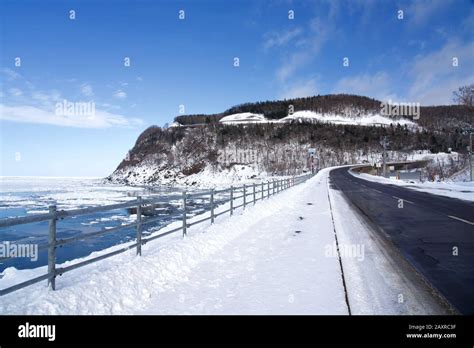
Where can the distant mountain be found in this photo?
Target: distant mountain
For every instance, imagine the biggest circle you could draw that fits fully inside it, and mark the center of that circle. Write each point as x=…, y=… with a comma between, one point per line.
x=273, y=137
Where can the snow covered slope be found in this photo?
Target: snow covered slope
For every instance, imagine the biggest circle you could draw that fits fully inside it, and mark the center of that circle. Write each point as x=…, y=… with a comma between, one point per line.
x=364, y=120
x=245, y=117
x=311, y=116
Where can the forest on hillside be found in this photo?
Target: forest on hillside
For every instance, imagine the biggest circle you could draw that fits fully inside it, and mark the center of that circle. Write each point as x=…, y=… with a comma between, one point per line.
x=282, y=148
x=433, y=117
x=276, y=147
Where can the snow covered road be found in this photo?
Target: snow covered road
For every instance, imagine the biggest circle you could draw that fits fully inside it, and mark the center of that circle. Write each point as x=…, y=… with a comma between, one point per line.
x=277, y=257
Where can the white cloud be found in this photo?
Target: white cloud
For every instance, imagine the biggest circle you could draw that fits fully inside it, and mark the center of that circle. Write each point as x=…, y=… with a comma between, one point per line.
x=16, y=92
x=435, y=78
x=287, y=69
x=468, y=22
x=280, y=39
x=46, y=98
x=300, y=89
x=110, y=106
x=86, y=90
x=11, y=74
x=31, y=114
x=317, y=34
x=431, y=77
x=421, y=11
x=120, y=94
x=375, y=86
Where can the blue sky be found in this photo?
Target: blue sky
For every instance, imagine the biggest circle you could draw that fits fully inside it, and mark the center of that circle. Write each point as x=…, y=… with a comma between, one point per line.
x=190, y=62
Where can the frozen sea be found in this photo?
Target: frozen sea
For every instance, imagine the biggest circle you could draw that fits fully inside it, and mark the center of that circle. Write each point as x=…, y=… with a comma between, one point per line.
x=23, y=196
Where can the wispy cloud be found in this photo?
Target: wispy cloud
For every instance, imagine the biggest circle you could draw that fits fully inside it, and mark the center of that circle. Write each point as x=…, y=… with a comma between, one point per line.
x=376, y=85
x=309, y=47
x=38, y=106
x=276, y=39
x=420, y=11
x=431, y=77
x=311, y=39
x=11, y=74
x=434, y=76
x=300, y=89
x=86, y=90
x=119, y=94
x=16, y=92
x=31, y=114
x=46, y=98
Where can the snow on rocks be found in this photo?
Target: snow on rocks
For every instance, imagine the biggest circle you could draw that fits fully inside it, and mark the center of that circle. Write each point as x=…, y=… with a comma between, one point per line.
x=209, y=177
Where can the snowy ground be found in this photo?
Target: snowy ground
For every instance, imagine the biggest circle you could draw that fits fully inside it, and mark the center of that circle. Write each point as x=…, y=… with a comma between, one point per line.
x=209, y=177
x=311, y=116
x=460, y=190
x=277, y=257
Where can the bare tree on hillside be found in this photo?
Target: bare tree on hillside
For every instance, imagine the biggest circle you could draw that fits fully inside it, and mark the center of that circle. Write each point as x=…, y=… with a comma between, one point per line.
x=464, y=95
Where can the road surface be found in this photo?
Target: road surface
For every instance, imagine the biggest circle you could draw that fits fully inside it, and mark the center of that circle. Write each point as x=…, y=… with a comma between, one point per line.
x=434, y=233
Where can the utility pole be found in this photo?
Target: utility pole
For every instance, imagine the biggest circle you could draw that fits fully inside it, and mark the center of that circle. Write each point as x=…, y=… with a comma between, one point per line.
x=384, y=143
x=471, y=169
x=311, y=154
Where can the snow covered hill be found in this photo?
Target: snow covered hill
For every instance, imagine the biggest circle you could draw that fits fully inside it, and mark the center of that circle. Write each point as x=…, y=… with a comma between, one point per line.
x=256, y=140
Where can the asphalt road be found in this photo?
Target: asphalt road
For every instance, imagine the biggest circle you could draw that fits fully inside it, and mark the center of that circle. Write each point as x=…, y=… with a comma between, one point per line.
x=426, y=230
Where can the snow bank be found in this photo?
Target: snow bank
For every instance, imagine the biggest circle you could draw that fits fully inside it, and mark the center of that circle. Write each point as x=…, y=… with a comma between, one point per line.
x=460, y=190
x=380, y=282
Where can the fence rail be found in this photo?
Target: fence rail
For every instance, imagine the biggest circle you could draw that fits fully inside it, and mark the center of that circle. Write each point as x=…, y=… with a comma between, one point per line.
x=263, y=189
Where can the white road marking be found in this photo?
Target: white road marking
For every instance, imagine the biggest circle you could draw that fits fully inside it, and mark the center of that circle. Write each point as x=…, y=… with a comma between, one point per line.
x=405, y=200
x=465, y=221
